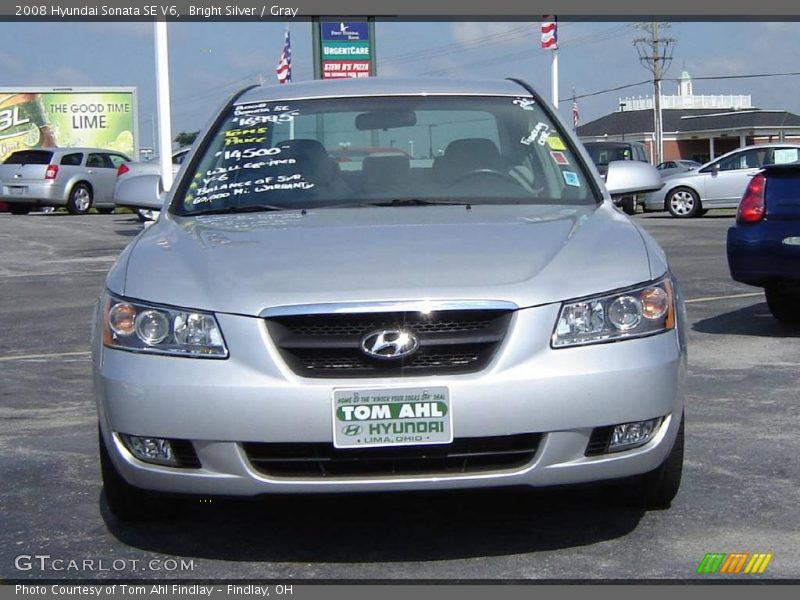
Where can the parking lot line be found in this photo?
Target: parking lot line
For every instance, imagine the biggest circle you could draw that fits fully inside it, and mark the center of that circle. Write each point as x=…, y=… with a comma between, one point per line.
x=712, y=298
x=39, y=356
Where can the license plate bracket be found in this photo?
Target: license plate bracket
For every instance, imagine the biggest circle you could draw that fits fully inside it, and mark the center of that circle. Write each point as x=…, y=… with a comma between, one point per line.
x=381, y=417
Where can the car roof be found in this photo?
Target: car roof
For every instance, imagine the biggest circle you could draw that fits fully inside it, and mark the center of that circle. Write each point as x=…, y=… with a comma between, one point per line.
x=381, y=86
x=70, y=150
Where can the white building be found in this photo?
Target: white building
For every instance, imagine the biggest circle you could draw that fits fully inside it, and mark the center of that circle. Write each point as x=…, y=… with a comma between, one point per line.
x=686, y=99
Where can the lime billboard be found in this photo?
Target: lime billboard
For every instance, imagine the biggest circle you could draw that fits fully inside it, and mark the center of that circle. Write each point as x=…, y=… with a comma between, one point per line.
x=68, y=118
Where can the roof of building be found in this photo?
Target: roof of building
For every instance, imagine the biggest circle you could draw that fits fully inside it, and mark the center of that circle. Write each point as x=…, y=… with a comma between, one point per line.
x=688, y=121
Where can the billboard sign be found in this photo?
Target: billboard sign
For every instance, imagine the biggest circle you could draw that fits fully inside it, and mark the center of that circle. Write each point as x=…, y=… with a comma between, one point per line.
x=345, y=49
x=48, y=118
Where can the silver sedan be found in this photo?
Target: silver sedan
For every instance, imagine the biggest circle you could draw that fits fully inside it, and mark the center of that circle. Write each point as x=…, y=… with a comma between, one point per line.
x=719, y=183
x=473, y=313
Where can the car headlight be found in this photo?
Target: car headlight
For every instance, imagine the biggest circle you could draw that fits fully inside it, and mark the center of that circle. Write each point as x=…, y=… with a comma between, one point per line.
x=636, y=312
x=141, y=327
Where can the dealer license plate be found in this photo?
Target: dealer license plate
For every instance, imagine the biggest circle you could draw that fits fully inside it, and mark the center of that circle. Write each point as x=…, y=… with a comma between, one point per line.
x=369, y=418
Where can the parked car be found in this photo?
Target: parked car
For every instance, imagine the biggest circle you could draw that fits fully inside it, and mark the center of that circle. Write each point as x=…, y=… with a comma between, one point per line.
x=764, y=245
x=671, y=167
x=603, y=153
x=152, y=166
x=287, y=326
x=719, y=183
x=78, y=178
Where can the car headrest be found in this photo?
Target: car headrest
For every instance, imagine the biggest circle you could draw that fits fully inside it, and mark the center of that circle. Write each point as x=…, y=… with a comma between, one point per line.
x=465, y=155
x=312, y=160
x=385, y=169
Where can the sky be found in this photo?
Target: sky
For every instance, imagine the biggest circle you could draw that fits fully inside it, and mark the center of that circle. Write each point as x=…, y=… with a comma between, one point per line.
x=211, y=60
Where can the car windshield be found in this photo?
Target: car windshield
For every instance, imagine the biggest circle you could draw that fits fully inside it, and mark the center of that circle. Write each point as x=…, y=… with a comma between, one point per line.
x=386, y=151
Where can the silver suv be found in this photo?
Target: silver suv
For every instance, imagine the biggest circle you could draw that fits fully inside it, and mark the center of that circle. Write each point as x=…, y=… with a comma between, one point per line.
x=78, y=178
x=471, y=312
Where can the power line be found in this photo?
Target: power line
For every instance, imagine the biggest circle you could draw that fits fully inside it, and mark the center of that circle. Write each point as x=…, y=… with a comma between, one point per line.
x=609, y=90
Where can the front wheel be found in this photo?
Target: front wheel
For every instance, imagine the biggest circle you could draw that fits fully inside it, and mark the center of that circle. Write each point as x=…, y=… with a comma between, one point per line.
x=127, y=502
x=628, y=205
x=684, y=203
x=783, y=306
x=80, y=200
x=656, y=489
x=144, y=215
x=19, y=209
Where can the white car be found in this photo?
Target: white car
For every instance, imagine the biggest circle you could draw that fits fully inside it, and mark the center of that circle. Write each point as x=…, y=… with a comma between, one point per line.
x=149, y=167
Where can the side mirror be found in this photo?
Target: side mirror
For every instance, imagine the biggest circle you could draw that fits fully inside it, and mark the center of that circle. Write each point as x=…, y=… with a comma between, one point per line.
x=140, y=191
x=632, y=177
x=715, y=169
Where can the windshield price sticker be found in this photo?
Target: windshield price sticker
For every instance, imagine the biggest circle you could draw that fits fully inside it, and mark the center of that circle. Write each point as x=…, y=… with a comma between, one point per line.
x=369, y=418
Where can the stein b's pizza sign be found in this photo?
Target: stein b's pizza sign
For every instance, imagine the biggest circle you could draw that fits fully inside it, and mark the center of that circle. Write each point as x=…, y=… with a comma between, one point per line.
x=67, y=118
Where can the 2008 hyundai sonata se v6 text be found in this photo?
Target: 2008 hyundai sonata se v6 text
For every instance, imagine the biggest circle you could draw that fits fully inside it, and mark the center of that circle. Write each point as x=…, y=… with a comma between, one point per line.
x=460, y=307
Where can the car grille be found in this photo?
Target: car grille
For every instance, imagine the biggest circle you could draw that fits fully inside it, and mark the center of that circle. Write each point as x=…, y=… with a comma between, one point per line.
x=329, y=345
x=463, y=455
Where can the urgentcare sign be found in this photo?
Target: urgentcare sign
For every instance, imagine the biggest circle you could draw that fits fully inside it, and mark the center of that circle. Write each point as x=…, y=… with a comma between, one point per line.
x=346, y=49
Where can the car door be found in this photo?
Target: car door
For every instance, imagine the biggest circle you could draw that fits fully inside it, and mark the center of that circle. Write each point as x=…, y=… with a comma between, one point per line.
x=102, y=175
x=725, y=185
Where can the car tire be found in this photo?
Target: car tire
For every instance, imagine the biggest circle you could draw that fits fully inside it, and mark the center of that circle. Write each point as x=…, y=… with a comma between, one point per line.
x=19, y=209
x=784, y=307
x=684, y=203
x=127, y=502
x=628, y=205
x=144, y=215
x=106, y=210
x=656, y=489
x=80, y=199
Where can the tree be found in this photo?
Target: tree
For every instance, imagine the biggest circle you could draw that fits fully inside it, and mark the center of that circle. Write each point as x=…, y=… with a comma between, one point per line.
x=186, y=139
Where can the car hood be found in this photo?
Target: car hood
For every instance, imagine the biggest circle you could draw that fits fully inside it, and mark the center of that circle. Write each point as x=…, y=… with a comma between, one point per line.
x=246, y=263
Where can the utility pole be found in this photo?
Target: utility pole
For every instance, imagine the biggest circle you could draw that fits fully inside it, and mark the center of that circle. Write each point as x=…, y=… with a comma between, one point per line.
x=655, y=54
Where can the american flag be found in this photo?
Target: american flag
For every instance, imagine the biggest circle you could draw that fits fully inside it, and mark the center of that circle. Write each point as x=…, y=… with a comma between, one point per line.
x=284, y=69
x=549, y=33
x=576, y=115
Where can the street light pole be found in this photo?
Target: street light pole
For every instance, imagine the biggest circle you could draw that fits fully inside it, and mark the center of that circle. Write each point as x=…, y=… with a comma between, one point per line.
x=622, y=109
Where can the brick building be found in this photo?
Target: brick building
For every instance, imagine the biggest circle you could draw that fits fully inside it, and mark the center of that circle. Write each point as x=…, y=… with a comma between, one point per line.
x=697, y=127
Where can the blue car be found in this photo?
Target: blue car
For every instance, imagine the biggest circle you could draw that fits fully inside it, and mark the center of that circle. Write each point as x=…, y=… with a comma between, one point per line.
x=764, y=245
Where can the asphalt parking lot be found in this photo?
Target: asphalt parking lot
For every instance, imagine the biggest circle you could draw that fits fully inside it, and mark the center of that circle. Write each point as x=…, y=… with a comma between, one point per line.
x=740, y=491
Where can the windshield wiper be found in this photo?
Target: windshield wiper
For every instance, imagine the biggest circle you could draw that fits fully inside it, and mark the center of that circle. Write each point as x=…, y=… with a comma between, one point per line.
x=416, y=202
x=246, y=208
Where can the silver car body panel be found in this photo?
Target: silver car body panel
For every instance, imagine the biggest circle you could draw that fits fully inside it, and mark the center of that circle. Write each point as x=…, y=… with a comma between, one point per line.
x=210, y=261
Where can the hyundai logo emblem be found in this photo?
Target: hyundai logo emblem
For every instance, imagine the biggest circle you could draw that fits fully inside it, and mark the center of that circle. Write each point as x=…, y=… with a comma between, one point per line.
x=351, y=430
x=389, y=343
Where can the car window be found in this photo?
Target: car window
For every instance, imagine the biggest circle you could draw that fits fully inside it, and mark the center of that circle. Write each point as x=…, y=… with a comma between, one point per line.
x=117, y=160
x=785, y=155
x=754, y=158
x=100, y=161
x=323, y=153
x=29, y=157
x=73, y=159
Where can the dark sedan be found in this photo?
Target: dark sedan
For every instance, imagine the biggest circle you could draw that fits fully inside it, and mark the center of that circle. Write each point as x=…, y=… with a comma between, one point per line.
x=764, y=245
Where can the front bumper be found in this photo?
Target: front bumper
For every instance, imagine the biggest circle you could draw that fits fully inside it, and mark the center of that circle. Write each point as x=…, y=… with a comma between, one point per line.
x=253, y=397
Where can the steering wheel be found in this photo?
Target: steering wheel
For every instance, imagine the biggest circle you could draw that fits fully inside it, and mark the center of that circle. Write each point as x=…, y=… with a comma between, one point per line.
x=484, y=173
